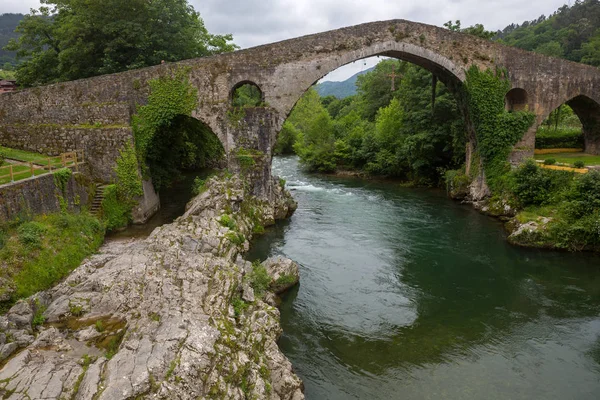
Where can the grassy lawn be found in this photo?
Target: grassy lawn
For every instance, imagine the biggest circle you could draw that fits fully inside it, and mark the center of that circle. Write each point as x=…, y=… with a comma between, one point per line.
x=570, y=158
x=23, y=171
x=24, y=156
x=39, y=252
x=19, y=172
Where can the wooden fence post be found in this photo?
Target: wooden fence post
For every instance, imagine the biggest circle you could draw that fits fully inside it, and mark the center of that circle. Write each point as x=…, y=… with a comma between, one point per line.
x=12, y=177
x=31, y=168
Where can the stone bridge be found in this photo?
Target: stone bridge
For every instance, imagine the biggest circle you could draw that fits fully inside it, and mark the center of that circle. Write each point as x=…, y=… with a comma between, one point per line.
x=94, y=114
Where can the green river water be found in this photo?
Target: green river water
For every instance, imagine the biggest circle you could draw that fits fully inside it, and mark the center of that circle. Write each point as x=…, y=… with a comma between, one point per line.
x=406, y=294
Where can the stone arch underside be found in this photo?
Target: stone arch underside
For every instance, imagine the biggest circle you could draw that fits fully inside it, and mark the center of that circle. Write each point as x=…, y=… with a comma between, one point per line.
x=588, y=112
x=290, y=81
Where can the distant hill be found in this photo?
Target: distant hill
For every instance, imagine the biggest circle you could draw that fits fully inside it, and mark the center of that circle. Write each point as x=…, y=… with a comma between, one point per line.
x=570, y=32
x=340, y=90
x=8, y=23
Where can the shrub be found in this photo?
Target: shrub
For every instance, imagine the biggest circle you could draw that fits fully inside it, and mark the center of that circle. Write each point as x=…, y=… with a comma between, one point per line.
x=61, y=179
x=533, y=185
x=259, y=279
x=129, y=182
x=579, y=164
x=561, y=138
x=457, y=183
x=116, y=213
x=239, y=306
x=550, y=161
x=584, y=197
x=236, y=238
x=45, y=250
x=30, y=233
x=228, y=222
x=198, y=186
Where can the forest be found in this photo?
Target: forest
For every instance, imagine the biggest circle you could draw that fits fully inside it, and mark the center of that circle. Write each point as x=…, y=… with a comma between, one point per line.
x=572, y=33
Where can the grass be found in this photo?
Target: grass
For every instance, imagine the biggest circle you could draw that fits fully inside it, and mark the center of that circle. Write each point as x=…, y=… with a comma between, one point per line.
x=563, y=137
x=570, y=158
x=30, y=156
x=9, y=75
x=41, y=251
x=552, y=151
x=21, y=155
x=21, y=171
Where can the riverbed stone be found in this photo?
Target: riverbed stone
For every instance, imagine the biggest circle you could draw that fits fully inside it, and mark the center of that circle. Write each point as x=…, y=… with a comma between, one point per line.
x=165, y=307
x=20, y=315
x=284, y=273
x=7, y=349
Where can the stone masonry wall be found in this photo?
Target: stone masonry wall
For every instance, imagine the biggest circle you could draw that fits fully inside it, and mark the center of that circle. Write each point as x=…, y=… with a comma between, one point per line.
x=283, y=71
x=39, y=195
x=100, y=145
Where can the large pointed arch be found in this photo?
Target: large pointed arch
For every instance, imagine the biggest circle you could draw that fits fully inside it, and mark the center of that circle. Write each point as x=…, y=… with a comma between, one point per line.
x=443, y=68
x=588, y=111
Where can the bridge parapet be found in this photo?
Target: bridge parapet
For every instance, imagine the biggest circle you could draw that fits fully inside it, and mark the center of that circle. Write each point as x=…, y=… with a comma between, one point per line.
x=95, y=114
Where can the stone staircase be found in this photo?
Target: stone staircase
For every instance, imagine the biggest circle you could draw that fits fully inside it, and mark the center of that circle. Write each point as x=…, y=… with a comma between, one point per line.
x=96, y=206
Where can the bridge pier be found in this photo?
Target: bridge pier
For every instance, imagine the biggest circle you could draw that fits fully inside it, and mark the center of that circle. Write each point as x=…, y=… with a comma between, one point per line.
x=525, y=148
x=588, y=112
x=251, y=141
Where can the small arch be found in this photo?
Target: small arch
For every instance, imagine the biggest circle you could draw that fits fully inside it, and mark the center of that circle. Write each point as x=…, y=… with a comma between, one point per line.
x=516, y=99
x=184, y=144
x=246, y=94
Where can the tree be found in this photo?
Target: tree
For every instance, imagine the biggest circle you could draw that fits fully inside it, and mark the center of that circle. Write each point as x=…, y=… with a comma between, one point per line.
x=72, y=39
x=479, y=31
x=591, y=50
x=375, y=87
x=552, y=49
x=475, y=30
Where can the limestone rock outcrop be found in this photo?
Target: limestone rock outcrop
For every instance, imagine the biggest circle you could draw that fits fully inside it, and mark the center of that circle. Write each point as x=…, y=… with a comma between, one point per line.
x=156, y=318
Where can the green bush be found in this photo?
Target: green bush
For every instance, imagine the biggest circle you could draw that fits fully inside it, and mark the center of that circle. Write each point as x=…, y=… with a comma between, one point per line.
x=576, y=235
x=457, y=183
x=533, y=185
x=228, y=222
x=45, y=250
x=561, y=138
x=259, y=279
x=239, y=306
x=549, y=161
x=286, y=139
x=31, y=233
x=198, y=186
x=116, y=213
x=579, y=164
x=236, y=238
x=584, y=197
x=61, y=178
x=129, y=182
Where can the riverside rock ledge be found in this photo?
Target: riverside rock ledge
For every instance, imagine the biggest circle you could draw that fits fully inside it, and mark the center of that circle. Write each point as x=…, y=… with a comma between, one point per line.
x=158, y=318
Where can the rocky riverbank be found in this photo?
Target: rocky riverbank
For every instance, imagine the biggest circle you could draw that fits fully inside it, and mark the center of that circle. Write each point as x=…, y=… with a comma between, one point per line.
x=172, y=316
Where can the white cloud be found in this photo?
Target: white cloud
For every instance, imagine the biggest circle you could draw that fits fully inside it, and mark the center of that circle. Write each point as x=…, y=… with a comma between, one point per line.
x=256, y=22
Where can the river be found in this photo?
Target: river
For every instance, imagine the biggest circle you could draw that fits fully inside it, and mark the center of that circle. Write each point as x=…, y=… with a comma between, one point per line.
x=406, y=294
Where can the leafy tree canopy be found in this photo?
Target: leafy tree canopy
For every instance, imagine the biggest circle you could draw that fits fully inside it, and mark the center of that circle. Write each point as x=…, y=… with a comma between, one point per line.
x=475, y=30
x=73, y=39
x=571, y=33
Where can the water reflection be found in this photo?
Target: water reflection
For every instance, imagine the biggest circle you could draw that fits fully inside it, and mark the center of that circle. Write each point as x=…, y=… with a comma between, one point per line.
x=404, y=291
x=172, y=205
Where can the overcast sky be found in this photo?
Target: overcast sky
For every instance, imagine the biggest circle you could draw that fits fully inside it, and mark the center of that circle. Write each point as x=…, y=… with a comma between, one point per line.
x=256, y=22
